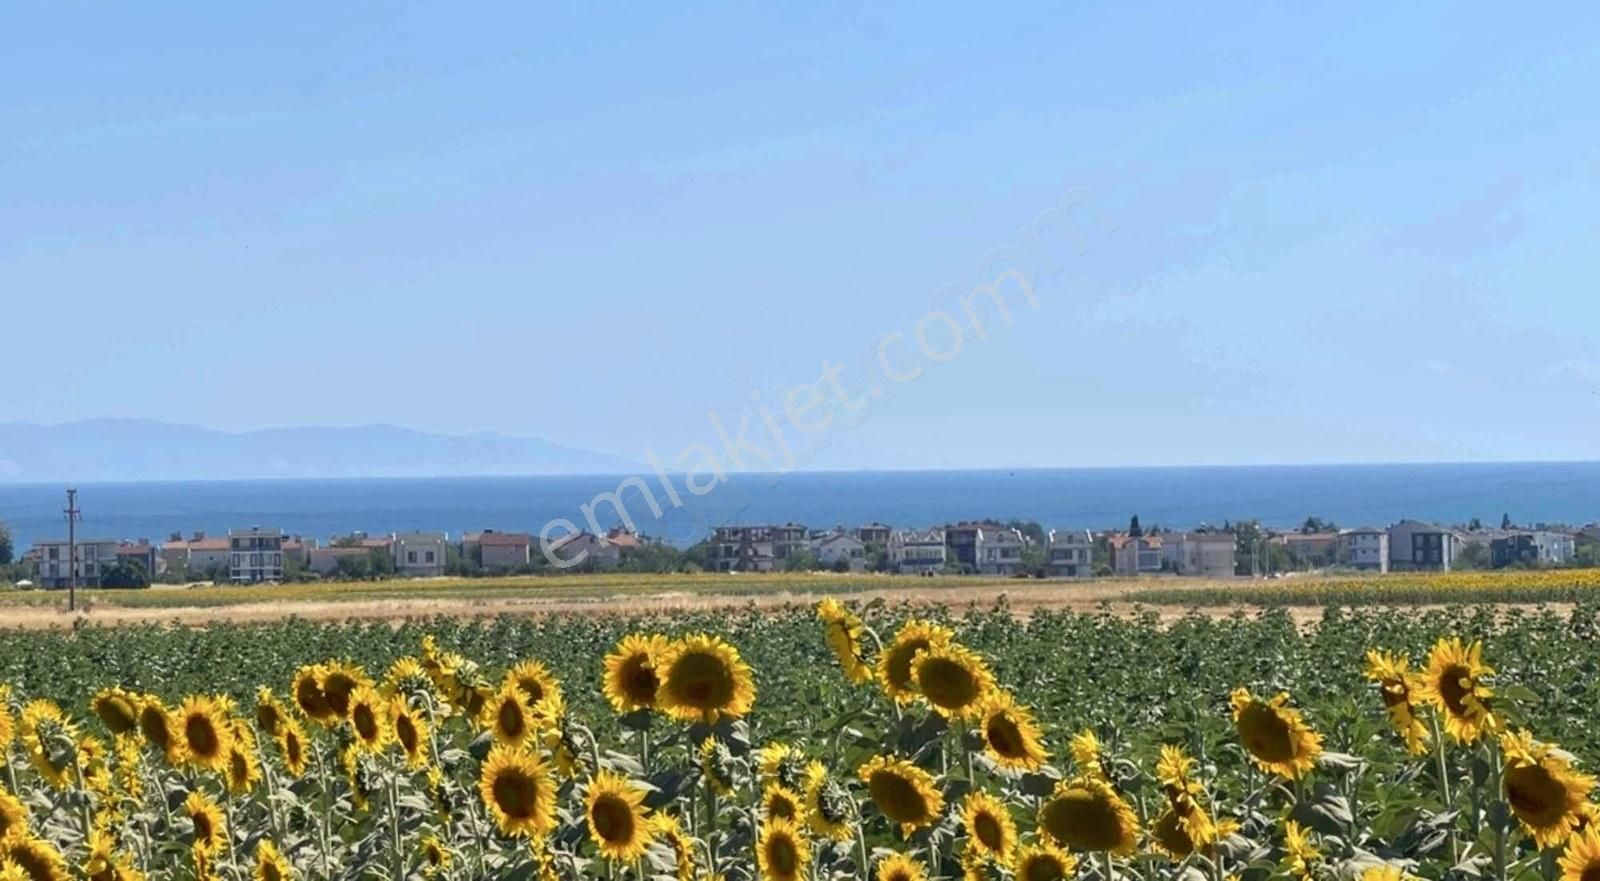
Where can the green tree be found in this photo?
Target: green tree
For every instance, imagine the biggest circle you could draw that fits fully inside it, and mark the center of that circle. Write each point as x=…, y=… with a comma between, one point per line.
x=126, y=574
x=8, y=550
x=1133, y=527
x=1033, y=559
x=1473, y=556
x=1505, y=521
x=802, y=560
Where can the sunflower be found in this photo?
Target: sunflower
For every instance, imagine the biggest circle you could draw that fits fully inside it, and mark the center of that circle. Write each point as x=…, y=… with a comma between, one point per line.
x=614, y=809
x=338, y=682
x=1454, y=684
x=270, y=864
x=1043, y=862
x=902, y=791
x=1399, y=687
x=307, y=692
x=899, y=867
x=1087, y=814
x=130, y=762
x=716, y=766
x=990, y=830
x=1386, y=872
x=270, y=712
x=244, y=769
x=536, y=681
x=209, y=832
x=8, y=725
x=102, y=862
x=506, y=715
x=368, y=714
x=843, y=633
x=38, y=859
x=704, y=679
x=630, y=681
x=1185, y=826
x=952, y=678
x=1086, y=751
x=50, y=740
x=160, y=729
x=118, y=710
x=13, y=815
x=1010, y=736
x=782, y=764
x=207, y=733
x=1299, y=852
x=436, y=856
x=669, y=833
x=410, y=731
x=1275, y=734
x=778, y=801
x=894, y=662
x=782, y=852
x=830, y=810
x=1543, y=789
x=407, y=678
x=292, y=747
x=1581, y=859
x=516, y=786
x=92, y=768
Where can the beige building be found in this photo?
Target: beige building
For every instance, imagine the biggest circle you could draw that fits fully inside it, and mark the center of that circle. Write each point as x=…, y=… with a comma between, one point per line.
x=1206, y=554
x=419, y=554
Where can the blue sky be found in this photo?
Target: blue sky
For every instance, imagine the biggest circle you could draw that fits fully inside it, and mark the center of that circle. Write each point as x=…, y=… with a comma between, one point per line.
x=1308, y=235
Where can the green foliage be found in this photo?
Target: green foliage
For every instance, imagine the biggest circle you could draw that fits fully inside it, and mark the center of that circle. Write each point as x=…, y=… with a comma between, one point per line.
x=128, y=574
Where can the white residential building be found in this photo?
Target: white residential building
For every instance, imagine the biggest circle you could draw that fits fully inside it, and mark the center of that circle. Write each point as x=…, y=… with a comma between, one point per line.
x=999, y=551
x=833, y=547
x=1415, y=546
x=1206, y=554
x=53, y=569
x=1365, y=548
x=917, y=551
x=255, y=555
x=1069, y=553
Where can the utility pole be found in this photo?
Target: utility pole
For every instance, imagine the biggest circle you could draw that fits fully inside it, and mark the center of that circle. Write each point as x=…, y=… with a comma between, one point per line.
x=73, y=516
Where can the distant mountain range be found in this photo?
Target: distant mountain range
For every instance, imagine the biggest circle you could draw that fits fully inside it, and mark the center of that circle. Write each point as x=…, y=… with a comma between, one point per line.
x=138, y=449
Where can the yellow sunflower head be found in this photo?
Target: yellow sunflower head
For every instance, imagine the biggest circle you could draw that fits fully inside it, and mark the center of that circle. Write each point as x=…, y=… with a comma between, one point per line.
x=307, y=692
x=843, y=632
x=270, y=712
x=160, y=729
x=630, y=681
x=1276, y=736
x=410, y=732
x=506, y=715
x=782, y=851
x=1043, y=862
x=8, y=724
x=1454, y=683
x=38, y=860
x=1086, y=752
x=1299, y=851
x=991, y=832
x=50, y=740
x=1010, y=736
x=516, y=787
x=717, y=766
x=900, y=867
x=1545, y=792
x=903, y=792
x=778, y=801
x=209, y=831
x=1581, y=859
x=292, y=747
x=536, y=681
x=1086, y=814
x=895, y=673
x=338, y=682
x=782, y=764
x=669, y=833
x=118, y=710
x=270, y=863
x=206, y=730
x=368, y=713
x=436, y=856
x=13, y=815
x=953, y=679
x=614, y=810
x=244, y=769
x=703, y=679
x=1400, y=689
x=1386, y=872
x=830, y=811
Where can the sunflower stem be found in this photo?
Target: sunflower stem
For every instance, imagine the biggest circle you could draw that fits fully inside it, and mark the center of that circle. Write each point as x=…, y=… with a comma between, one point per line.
x=1440, y=765
x=327, y=810
x=394, y=820
x=1111, y=869
x=1497, y=774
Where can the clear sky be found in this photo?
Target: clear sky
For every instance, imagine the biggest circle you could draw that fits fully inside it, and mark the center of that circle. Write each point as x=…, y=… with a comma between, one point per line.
x=1308, y=234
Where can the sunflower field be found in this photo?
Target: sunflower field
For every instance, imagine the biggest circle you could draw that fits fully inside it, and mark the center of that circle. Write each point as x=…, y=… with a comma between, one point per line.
x=840, y=742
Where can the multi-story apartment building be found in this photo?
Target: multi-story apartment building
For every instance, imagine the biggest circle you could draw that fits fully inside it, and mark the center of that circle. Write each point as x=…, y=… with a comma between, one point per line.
x=1206, y=554
x=1537, y=547
x=1364, y=548
x=255, y=554
x=961, y=540
x=999, y=551
x=1135, y=554
x=53, y=561
x=790, y=538
x=874, y=534
x=419, y=554
x=743, y=549
x=1415, y=546
x=143, y=554
x=1069, y=553
x=918, y=551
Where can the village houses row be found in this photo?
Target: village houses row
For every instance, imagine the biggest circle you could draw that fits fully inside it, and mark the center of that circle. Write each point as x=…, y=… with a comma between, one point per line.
x=983, y=548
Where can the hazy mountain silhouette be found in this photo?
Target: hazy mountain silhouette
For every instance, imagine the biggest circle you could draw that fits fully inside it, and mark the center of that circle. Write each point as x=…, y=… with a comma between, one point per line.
x=138, y=449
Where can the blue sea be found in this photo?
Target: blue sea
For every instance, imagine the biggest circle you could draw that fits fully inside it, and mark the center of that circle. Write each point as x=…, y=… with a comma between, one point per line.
x=1078, y=498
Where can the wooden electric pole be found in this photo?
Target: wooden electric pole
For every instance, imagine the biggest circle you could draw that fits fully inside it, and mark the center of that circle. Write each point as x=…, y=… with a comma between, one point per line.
x=73, y=516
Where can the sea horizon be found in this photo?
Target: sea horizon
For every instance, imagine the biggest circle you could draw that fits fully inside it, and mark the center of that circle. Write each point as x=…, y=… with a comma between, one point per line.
x=1086, y=497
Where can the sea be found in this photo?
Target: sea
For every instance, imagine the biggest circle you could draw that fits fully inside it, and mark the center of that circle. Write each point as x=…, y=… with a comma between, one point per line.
x=1093, y=498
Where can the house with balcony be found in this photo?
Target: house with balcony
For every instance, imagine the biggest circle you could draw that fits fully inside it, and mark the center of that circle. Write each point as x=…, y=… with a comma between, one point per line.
x=1069, y=553
x=1134, y=554
x=255, y=555
x=961, y=541
x=1205, y=554
x=873, y=534
x=999, y=551
x=1415, y=546
x=918, y=551
x=419, y=554
x=1364, y=548
x=1536, y=547
x=743, y=549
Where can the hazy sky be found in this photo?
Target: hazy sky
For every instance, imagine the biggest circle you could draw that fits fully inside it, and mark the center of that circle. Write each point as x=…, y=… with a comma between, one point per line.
x=1305, y=235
